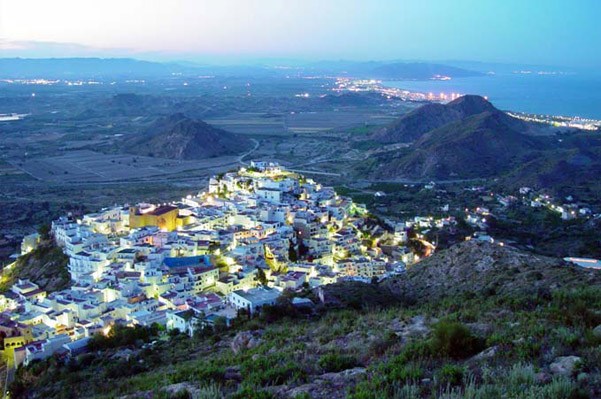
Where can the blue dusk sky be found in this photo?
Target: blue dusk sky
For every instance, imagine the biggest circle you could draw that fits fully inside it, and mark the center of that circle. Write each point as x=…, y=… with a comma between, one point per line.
x=551, y=32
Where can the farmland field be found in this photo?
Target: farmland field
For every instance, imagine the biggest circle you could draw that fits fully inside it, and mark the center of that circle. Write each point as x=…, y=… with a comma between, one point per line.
x=90, y=166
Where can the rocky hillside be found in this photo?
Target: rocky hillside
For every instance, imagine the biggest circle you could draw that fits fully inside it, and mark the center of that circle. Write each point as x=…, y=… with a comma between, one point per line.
x=46, y=266
x=180, y=137
x=482, y=268
x=475, y=321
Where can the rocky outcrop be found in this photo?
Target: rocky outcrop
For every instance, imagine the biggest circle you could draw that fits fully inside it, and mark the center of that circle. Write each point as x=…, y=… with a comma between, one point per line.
x=246, y=340
x=325, y=386
x=565, y=365
x=481, y=268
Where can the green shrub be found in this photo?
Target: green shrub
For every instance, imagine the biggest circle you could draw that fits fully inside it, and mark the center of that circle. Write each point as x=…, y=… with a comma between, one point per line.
x=453, y=339
x=408, y=372
x=251, y=393
x=276, y=374
x=334, y=362
x=450, y=374
x=527, y=349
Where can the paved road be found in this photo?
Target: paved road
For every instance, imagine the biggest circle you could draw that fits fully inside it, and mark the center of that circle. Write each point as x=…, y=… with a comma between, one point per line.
x=241, y=157
x=315, y=172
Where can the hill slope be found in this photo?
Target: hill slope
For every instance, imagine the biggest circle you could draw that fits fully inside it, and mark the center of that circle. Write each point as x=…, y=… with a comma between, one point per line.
x=482, y=145
x=432, y=116
x=46, y=265
x=180, y=137
x=482, y=321
x=469, y=138
x=482, y=268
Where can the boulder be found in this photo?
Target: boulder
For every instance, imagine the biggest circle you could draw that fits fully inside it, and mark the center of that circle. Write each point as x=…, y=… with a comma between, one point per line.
x=565, y=365
x=487, y=353
x=597, y=331
x=245, y=340
x=232, y=373
x=325, y=386
x=416, y=327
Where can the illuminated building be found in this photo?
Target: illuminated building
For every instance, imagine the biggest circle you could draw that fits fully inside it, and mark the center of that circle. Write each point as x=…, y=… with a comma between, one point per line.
x=164, y=217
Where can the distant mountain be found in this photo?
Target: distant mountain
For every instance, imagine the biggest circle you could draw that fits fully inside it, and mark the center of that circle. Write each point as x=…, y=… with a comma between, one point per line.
x=82, y=68
x=481, y=145
x=465, y=138
x=419, y=71
x=391, y=70
x=180, y=137
x=470, y=138
x=428, y=117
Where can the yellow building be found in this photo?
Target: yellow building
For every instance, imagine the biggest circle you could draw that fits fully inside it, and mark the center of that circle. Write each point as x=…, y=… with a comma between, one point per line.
x=15, y=342
x=164, y=217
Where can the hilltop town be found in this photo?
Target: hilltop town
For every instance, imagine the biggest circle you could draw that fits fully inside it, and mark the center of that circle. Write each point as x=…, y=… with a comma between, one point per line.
x=202, y=260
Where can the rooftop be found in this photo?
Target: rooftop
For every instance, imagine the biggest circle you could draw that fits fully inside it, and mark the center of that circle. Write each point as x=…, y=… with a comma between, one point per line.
x=258, y=294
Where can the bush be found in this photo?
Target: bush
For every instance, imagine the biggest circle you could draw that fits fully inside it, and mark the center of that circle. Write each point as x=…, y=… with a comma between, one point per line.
x=334, y=362
x=450, y=374
x=120, y=336
x=252, y=393
x=268, y=371
x=408, y=372
x=454, y=340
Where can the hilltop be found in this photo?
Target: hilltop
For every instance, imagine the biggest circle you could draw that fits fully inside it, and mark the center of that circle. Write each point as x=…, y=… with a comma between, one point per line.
x=180, y=137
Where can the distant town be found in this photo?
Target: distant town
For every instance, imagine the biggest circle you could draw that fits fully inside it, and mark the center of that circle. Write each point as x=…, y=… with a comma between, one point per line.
x=372, y=85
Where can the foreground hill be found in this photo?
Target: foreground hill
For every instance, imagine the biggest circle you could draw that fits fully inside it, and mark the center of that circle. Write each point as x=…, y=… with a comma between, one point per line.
x=475, y=321
x=180, y=137
x=475, y=267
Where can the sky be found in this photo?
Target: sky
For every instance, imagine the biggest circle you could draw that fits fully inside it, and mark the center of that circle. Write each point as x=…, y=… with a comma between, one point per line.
x=550, y=32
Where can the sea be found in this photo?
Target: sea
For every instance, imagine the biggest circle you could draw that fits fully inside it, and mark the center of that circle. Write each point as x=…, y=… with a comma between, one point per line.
x=575, y=95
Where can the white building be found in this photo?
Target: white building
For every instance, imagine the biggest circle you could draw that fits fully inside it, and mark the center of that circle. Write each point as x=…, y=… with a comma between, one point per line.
x=253, y=299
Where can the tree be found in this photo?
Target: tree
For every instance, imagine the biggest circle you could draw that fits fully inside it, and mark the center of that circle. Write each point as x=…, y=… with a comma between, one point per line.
x=44, y=231
x=292, y=255
x=261, y=277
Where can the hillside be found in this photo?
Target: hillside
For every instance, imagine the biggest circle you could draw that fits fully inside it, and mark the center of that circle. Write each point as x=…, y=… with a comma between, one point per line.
x=475, y=321
x=469, y=138
x=570, y=169
x=180, y=137
x=45, y=265
x=475, y=267
x=432, y=116
x=482, y=145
